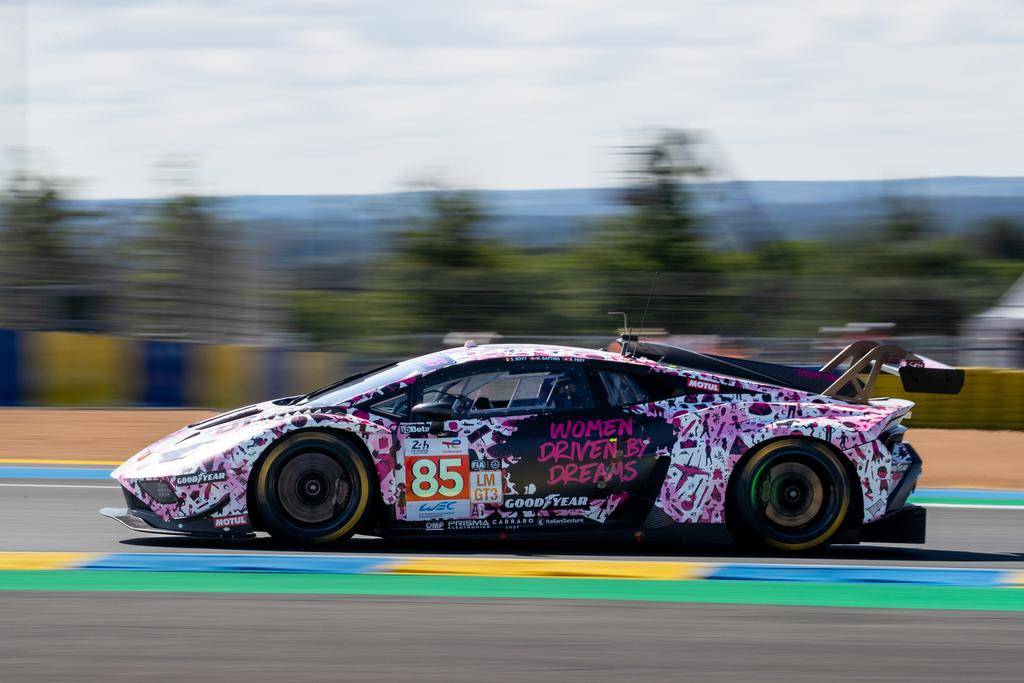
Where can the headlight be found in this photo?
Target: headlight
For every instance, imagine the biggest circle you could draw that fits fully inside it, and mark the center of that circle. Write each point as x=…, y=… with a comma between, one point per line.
x=159, y=490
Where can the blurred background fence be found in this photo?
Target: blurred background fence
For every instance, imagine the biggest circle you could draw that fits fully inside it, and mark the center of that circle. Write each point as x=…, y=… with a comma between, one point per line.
x=79, y=369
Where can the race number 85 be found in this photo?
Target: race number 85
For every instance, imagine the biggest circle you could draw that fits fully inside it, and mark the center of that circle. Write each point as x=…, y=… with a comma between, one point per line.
x=436, y=477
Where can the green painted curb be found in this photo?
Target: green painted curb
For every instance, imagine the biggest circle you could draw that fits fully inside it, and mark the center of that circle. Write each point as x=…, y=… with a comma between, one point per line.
x=723, y=592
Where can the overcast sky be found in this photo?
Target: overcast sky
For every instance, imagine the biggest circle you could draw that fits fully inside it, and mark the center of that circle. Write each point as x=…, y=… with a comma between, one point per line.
x=305, y=97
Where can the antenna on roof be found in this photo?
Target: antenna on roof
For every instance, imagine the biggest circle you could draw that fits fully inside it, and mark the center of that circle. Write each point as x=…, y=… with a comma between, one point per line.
x=625, y=331
x=647, y=305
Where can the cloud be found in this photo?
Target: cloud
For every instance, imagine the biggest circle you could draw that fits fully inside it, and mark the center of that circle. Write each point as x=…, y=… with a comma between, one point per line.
x=332, y=96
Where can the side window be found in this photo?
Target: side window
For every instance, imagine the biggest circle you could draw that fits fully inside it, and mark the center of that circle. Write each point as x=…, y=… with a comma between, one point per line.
x=622, y=389
x=522, y=388
x=396, y=406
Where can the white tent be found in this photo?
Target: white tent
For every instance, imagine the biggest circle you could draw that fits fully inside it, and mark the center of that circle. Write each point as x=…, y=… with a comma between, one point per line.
x=995, y=338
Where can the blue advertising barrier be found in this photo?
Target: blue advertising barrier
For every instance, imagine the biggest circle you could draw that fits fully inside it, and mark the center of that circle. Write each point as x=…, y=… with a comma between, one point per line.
x=164, y=368
x=10, y=369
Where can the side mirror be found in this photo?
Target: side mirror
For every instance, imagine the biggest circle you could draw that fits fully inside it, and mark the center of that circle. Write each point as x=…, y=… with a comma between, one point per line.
x=435, y=412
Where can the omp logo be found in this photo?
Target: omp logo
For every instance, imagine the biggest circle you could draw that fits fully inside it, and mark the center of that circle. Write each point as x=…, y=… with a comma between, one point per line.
x=553, y=500
x=703, y=385
x=197, y=478
x=434, y=526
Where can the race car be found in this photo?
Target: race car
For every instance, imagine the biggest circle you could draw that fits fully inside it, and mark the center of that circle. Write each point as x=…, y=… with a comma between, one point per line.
x=648, y=441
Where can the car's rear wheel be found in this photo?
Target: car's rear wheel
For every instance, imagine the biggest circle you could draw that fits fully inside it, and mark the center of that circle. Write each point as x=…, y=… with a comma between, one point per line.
x=313, y=488
x=791, y=495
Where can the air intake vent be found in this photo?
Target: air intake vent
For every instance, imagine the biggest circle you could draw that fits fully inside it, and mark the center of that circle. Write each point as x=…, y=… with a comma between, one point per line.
x=224, y=419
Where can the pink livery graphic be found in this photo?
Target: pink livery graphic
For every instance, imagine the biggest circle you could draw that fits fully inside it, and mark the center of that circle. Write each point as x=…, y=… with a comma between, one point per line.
x=651, y=441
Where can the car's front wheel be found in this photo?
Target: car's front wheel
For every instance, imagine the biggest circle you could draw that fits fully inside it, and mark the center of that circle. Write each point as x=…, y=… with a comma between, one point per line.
x=312, y=488
x=791, y=495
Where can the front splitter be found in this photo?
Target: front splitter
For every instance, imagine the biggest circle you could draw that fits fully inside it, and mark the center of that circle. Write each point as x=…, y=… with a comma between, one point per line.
x=136, y=522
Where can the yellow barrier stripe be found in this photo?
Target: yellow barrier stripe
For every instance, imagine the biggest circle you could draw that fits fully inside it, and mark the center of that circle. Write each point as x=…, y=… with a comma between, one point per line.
x=42, y=561
x=991, y=399
x=1016, y=579
x=74, y=368
x=47, y=461
x=554, y=568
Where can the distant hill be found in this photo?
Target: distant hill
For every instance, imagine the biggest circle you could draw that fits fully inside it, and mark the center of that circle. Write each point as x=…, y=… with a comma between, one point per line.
x=353, y=227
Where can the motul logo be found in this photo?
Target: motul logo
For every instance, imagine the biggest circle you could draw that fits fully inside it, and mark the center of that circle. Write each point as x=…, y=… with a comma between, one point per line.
x=703, y=385
x=233, y=520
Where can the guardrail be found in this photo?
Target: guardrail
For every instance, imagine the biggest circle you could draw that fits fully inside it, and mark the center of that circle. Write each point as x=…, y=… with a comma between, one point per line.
x=78, y=369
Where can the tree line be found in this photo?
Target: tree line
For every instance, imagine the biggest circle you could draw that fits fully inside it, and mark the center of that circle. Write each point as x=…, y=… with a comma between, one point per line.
x=182, y=272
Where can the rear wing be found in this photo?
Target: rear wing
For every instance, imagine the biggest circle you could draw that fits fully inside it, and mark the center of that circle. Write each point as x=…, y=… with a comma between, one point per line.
x=865, y=360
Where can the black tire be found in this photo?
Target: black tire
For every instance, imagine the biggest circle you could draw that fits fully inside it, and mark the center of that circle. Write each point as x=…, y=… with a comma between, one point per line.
x=792, y=495
x=313, y=488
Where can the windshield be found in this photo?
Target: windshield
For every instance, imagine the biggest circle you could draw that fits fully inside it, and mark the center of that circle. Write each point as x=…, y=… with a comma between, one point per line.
x=358, y=385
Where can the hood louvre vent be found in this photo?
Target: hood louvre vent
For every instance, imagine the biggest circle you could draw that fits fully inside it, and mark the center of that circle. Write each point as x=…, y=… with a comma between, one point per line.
x=224, y=419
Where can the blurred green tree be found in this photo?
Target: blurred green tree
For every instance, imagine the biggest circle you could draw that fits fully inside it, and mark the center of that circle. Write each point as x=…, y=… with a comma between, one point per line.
x=195, y=277
x=47, y=271
x=906, y=219
x=449, y=275
x=657, y=241
x=1000, y=238
x=663, y=227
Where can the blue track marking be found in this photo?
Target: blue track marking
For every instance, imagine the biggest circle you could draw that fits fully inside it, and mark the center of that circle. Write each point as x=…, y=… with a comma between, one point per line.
x=20, y=472
x=856, y=574
x=203, y=562
x=753, y=574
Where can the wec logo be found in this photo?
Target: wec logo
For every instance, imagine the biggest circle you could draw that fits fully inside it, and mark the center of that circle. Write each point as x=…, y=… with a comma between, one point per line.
x=439, y=506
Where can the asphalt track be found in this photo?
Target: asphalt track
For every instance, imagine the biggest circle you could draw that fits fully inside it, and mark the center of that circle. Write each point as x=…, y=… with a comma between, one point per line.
x=43, y=515
x=65, y=635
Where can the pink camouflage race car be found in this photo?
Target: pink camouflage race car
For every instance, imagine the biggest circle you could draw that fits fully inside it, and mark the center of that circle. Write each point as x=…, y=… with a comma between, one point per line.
x=651, y=442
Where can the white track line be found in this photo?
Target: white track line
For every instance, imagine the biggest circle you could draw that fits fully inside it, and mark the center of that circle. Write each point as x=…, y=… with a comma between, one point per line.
x=59, y=486
x=971, y=506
